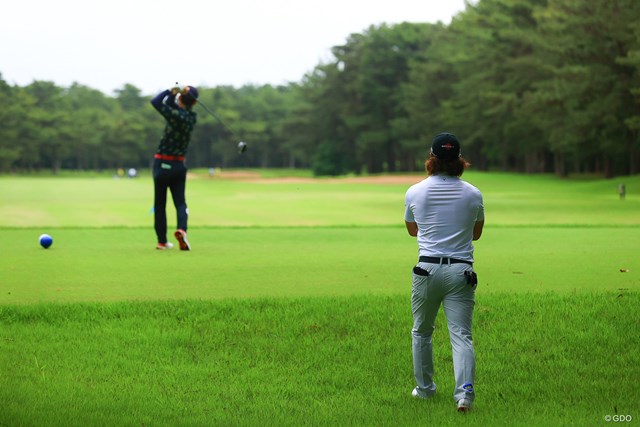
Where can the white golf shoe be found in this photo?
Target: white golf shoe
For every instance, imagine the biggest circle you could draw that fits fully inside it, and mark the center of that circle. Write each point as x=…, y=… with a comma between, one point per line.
x=419, y=395
x=181, y=236
x=164, y=246
x=464, y=405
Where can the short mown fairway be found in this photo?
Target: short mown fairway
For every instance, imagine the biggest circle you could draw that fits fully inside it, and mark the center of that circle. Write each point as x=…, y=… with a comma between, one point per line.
x=293, y=307
x=93, y=265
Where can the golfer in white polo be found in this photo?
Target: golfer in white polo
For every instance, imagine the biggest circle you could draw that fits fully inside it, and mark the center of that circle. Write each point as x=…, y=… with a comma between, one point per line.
x=445, y=214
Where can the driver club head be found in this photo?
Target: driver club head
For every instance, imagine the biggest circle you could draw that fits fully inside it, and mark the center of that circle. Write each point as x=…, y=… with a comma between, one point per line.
x=242, y=147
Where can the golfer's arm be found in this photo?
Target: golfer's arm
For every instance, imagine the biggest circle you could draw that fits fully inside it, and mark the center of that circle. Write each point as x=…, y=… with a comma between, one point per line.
x=165, y=103
x=412, y=228
x=157, y=100
x=477, y=229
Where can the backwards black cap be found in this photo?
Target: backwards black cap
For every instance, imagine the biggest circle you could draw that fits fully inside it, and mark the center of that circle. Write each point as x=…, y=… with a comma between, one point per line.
x=189, y=95
x=445, y=146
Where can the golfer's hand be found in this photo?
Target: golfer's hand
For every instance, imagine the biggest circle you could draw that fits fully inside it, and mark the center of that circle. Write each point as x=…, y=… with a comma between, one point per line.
x=175, y=91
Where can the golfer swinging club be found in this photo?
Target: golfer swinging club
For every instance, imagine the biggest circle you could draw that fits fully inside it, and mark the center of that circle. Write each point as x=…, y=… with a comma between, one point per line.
x=169, y=170
x=445, y=214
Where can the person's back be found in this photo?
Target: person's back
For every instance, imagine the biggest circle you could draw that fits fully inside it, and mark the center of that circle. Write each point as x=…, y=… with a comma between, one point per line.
x=445, y=214
x=445, y=209
x=169, y=169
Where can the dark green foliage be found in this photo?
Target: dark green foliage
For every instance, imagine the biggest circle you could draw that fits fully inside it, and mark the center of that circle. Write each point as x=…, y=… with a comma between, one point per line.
x=528, y=85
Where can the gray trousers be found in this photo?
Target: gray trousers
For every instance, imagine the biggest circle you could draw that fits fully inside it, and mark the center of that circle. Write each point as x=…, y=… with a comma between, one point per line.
x=445, y=284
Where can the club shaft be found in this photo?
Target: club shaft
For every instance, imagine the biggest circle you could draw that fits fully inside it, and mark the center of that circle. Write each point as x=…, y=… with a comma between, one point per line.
x=217, y=118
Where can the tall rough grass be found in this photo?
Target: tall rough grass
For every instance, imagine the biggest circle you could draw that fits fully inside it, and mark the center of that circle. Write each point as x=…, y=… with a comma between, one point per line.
x=543, y=359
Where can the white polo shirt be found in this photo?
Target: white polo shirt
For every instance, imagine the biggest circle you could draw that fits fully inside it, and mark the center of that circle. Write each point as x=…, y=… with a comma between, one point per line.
x=446, y=209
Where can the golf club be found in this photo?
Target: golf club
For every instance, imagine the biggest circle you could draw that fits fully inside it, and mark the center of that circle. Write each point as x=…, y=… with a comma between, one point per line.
x=242, y=146
x=217, y=118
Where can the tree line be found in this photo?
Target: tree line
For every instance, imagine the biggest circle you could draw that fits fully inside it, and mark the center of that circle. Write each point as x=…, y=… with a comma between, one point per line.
x=533, y=86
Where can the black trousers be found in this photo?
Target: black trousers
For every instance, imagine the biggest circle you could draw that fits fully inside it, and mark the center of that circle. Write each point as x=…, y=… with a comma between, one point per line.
x=170, y=175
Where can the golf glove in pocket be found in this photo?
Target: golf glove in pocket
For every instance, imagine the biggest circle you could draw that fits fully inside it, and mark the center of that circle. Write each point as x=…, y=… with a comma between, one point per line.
x=472, y=278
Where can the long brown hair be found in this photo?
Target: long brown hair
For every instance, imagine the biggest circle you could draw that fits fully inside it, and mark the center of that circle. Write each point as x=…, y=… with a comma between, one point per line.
x=456, y=167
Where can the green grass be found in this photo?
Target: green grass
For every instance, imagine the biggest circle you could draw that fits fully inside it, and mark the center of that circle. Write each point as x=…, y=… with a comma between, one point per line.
x=293, y=308
x=105, y=202
x=543, y=359
x=121, y=264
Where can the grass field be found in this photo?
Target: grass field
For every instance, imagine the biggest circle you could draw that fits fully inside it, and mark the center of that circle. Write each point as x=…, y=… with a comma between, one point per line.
x=90, y=202
x=293, y=307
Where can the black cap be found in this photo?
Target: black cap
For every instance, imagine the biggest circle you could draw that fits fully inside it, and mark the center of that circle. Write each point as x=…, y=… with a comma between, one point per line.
x=189, y=95
x=445, y=146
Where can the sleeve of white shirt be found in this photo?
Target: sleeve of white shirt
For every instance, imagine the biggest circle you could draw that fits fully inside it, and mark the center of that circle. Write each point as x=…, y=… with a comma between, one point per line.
x=480, y=216
x=408, y=213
